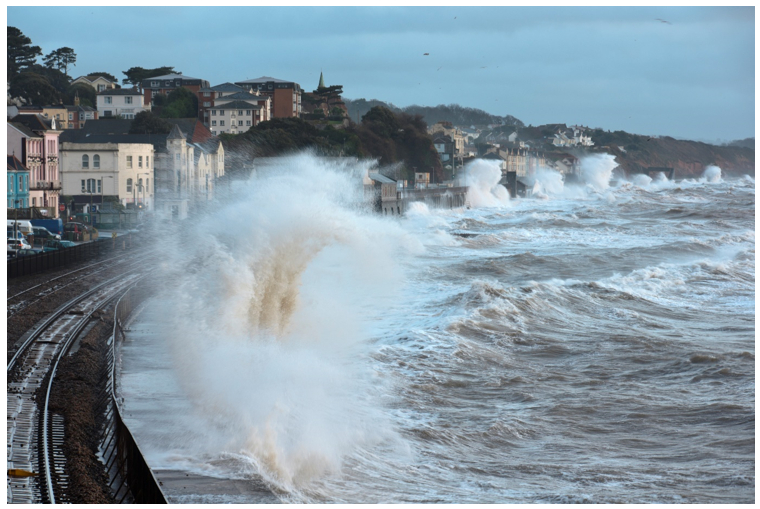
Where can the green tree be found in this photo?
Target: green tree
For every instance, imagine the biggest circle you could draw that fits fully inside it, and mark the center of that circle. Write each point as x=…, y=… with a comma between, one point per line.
x=180, y=103
x=146, y=122
x=86, y=94
x=109, y=77
x=56, y=78
x=21, y=53
x=135, y=75
x=61, y=58
x=34, y=88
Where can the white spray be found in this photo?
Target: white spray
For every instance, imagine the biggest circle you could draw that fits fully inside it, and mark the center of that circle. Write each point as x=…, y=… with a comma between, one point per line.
x=482, y=178
x=712, y=174
x=265, y=320
x=596, y=170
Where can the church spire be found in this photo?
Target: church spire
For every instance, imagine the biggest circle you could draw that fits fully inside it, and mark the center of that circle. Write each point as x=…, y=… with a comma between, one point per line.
x=321, y=81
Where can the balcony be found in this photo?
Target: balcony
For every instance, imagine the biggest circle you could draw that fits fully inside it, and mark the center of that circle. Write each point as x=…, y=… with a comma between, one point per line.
x=46, y=185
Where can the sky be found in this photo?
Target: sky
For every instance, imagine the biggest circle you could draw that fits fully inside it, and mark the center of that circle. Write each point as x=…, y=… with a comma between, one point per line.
x=686, y=72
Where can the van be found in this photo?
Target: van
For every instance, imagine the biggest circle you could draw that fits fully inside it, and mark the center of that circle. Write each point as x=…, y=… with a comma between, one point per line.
x=24, y=226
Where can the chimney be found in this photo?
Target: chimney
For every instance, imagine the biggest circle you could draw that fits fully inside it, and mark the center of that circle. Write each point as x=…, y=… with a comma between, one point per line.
x=76, y=99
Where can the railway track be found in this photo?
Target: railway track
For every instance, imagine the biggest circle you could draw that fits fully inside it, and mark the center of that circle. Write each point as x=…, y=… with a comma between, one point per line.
x=35, y=434
x=20, y=301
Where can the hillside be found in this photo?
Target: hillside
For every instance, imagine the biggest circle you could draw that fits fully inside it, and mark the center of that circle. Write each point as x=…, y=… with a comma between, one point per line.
x=689, y=158
x=458, y=115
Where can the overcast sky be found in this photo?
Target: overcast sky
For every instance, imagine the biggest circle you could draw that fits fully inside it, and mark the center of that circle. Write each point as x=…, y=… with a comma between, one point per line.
x=678, y=71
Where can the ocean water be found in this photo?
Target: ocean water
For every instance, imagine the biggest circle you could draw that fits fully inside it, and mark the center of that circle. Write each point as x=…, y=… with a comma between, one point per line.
x=594, y=343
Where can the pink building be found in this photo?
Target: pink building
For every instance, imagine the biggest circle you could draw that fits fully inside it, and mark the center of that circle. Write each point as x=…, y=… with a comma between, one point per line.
x=33, y=139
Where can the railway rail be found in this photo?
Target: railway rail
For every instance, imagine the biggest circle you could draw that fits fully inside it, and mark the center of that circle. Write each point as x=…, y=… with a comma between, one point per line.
x=35, y=434
x=16, y=304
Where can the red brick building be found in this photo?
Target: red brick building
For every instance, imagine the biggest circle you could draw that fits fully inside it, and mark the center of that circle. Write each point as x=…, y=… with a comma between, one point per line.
x=166, y=84
x=286, y=95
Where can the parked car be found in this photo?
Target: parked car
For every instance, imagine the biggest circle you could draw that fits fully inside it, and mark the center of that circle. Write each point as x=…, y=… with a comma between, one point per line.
x=54, y=245
x=18, y=235
x=22, y=225
x=40, y=232
x=16, y=244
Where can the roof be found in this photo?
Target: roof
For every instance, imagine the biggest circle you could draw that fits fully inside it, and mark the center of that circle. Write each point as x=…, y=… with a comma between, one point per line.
x=377, y=177
x=24, y=130
x=224, y=87
x=171, y=77
x=117, y=131
x=92, y=78
x=239, y=105
x=80, y=107
x=244, y=96
x=176, y=133
x=35, y=122
x=266, y=79
x=15, y=165
x=119, y=91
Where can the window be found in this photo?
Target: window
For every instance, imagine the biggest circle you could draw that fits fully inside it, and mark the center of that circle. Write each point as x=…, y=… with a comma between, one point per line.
x=206, y=104
x=100, y=186
x=154, y=83
x=101, y=88
x=176, y=157
x=213, y=122
x=85, y=161
x=108, y=99
x=129, y=161
x=34, y=202
x=127, y=100
x=96, y=161
x=129, y=185
x=206, y=94
x=248, y=113
x=240, y=112
x=213, y=133
x=107, y=113
x=139, y=161
x=71, y=116
x=83, y=184
x=139, y=185
x=147, y=185
x=90, y=188
x=247, y=122
x=213, y=112
x=240, y=122
x=221, y=122
x=147, y=161
x=221, y=112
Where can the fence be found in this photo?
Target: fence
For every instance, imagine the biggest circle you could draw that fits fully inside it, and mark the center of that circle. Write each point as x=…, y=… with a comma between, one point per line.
x=40, y=262
x=131, y=479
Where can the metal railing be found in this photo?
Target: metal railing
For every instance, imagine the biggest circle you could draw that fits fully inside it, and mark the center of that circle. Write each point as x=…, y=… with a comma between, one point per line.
x=131, y=479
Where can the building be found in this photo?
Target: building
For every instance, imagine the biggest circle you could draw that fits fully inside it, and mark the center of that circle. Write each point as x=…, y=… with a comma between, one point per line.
x=168, y=83
x=236, y=113
x=18, y=184
x=186, y=163
x=35, y=139
x=99, y=83
x=286, y=95
x=78, y=115
x=207, y=99
x=124, y=102
x=99, y=172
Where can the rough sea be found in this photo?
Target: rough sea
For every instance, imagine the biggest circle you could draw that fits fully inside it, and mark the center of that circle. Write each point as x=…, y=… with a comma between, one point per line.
x=594, y=343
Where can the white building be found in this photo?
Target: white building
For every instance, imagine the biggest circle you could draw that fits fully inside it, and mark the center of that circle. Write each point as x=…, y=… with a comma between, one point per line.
x=126, y=102
x=236, y=117
x=92, y=172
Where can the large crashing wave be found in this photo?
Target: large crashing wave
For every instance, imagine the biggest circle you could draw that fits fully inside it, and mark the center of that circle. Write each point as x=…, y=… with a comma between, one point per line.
x=264, y=318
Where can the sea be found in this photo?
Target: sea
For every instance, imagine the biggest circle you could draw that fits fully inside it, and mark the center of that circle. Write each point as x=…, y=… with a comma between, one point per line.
x=591, y=343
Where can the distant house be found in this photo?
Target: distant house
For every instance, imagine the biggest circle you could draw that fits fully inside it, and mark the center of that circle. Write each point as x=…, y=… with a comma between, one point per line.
x=207, y=99
x=286, y=95
x=168, y=83
x=18, y=183
x=99, y=83
x=124, y=102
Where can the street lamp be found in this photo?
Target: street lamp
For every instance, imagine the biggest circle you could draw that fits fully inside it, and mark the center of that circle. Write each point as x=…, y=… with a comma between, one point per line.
x=142, y=186
x=90, y=192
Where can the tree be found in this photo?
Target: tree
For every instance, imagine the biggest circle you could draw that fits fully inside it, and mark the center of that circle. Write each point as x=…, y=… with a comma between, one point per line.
x=34, y=88
x=146, y=122
x=21, y=53
x=180, y=103
x=61, y=58
x=135, y=75
x=86, y=94
x=56, y=78
x=109, y=77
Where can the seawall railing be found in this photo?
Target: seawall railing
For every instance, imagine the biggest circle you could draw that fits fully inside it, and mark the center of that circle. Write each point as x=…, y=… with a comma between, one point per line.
x=131, y=479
